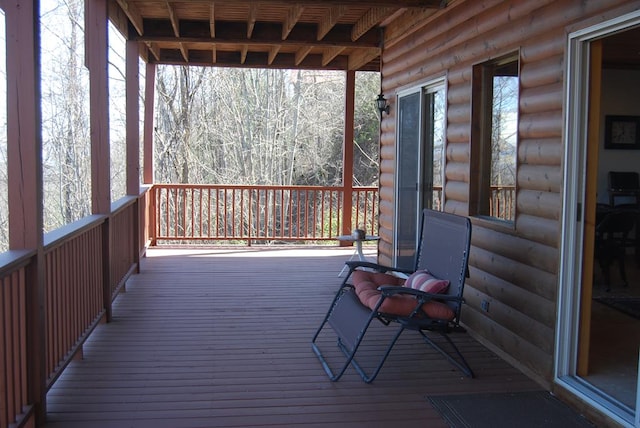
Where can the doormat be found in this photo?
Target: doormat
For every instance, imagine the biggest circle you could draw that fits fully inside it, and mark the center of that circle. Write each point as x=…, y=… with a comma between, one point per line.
x=507, y=410
x=628, y=305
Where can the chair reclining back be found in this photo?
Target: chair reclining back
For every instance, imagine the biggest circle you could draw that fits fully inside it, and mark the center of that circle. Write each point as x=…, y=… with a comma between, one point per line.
x=444, y=250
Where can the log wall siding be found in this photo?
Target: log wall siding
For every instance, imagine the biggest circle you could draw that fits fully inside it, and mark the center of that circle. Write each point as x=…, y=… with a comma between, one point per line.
x=514, y=268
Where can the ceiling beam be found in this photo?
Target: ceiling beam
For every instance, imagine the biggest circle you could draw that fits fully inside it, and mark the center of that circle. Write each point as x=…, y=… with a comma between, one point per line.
x=273, y=51
x=154, y=50
x=362, y=57
x=330, y=20
x=369, y=20
x=292, y=19
x=330, y=54
x=184, y=51
x=263, y=34
x=253, y=12
x=212, y=20
x=243, y=53
x=301, y=54
x=174, y=20
x=131, y=10
x=350, y=3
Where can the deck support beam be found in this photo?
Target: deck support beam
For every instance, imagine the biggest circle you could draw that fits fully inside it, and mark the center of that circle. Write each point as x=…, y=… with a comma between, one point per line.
x=347, y=152
x=97, y=48
x=133, y=141
x=24, y=171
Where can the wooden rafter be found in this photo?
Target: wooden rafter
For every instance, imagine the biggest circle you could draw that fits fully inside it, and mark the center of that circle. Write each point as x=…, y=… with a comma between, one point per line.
x=243, y=54
x=154, y=50
x=369, y=20
x=174, y=20
x=133, y=14
x=362, y=57
x=330, y=54
x=301, y=54
x=330, y=20
x=234, y=34
x=293, y=16
x=212, y=20
x=185, y=52
x=273, y=51
x=349, y=3
x=251, y=22
x=214, y=54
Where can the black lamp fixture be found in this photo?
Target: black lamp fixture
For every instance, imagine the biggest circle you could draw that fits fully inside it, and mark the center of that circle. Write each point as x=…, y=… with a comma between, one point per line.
x=381, y=101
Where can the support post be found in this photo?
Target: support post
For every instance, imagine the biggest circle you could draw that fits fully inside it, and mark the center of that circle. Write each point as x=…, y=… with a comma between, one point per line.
x=347, y=154
x=149, y=95
x=133, y=143
x=97, y=48
x=24, y=173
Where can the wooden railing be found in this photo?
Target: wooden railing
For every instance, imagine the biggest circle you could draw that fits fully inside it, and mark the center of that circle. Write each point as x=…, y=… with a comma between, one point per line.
x=206, y=213
x=14, y=401
x=502, y=204
x=84, y=264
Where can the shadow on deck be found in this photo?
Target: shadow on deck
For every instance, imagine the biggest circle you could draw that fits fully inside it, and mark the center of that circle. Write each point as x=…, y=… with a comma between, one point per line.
x=221, y=338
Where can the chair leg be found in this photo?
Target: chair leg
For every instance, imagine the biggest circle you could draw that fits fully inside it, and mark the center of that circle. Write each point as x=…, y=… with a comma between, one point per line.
x=461, y=364
x=351, y=358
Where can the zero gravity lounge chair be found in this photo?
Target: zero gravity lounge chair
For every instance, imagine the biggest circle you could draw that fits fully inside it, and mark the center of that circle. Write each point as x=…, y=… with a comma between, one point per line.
x=428, y=301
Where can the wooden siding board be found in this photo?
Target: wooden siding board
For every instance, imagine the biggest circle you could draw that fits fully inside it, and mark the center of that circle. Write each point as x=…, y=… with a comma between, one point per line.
x=221, y=337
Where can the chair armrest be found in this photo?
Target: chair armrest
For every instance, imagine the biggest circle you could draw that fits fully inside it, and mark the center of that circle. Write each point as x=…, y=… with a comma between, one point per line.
x=379, y=268
x=392, y=290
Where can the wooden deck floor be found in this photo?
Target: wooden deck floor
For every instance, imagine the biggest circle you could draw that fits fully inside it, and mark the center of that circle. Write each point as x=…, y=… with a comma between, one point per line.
x=221, y=338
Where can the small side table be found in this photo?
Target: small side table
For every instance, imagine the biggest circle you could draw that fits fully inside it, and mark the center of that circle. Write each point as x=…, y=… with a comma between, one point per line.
x=358, y=242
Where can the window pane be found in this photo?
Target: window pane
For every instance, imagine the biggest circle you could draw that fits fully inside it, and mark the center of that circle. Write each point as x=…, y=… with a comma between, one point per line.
x=504, y=129
x=495, y=138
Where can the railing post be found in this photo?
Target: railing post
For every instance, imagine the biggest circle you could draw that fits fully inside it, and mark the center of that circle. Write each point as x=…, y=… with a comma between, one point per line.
x=347, y=154
x=152, y=215
x=24, y=177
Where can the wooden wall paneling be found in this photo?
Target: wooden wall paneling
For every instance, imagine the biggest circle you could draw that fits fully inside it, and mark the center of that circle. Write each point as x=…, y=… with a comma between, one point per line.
x=516, y=249
x=530, y=329
x=541, y=99
x=488, y=280
x=529, y=358
x=539, y=204
x=541, y=230
x=540, y=151
x=540, y=177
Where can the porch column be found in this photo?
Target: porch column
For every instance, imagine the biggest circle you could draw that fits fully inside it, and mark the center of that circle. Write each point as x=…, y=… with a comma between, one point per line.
x=133, y=143
x=24, y=171
x=96, y=49
x=149, y=97
x=347, y=153
x=133, y=118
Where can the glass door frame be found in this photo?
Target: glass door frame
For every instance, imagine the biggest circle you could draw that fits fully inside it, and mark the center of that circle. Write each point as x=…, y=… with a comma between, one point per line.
x=422, y=90
x=573, y=213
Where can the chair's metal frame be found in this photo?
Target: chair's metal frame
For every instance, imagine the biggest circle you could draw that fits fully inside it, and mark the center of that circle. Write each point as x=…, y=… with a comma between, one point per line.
x=443, y=249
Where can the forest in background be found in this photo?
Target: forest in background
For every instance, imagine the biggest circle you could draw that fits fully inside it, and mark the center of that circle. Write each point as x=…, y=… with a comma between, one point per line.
x=211, y=125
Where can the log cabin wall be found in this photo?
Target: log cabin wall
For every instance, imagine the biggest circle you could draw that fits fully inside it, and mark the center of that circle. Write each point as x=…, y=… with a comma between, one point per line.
x=513, y=267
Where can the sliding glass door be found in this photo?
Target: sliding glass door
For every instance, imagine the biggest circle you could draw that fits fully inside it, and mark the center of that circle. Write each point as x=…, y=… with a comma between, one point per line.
x=419, y=164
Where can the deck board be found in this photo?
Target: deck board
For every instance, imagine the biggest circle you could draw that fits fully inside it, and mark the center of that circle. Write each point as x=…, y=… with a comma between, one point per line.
x=221, y=338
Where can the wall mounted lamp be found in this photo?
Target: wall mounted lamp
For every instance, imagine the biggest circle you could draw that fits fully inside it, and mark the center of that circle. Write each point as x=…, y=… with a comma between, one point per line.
x=383, y=106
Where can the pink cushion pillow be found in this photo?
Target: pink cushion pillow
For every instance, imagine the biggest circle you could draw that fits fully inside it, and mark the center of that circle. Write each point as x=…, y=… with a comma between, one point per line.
x=422, y=280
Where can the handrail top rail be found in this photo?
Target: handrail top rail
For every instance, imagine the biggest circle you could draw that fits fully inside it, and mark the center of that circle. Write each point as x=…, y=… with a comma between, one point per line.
x=12, y=260
x=257, y=186
x=69, y=231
